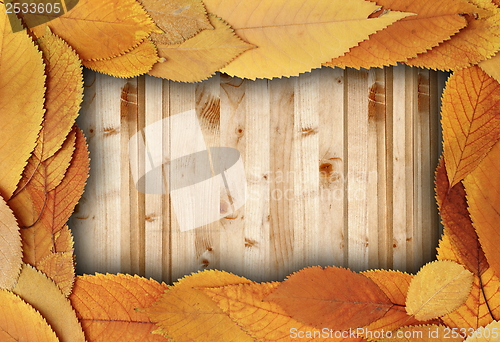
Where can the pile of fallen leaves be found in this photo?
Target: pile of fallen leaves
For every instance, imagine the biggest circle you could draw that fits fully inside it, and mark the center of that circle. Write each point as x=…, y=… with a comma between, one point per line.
x=44, y=166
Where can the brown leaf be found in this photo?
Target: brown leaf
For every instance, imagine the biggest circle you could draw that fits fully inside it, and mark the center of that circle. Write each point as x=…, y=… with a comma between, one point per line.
x=179, y=19
x=19, y=321
x=106, y=307
x=435, y=22
x=331, y=297
x=483, y=196
x=22, y=89
x=201, y=56
x=102, y=29
x=437, y=289
x=10, y=247
x=133, y=63
x=41, y=293
x=457, y=224
x=470, y=120
x=184, y=309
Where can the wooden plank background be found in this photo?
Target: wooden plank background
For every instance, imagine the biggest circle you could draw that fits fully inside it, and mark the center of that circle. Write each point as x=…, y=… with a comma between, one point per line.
x=339, y=167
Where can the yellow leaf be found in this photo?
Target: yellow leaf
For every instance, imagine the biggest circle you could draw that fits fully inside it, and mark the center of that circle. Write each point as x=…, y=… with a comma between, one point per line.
x=59, y=267
x=22, y=88
x=296, y=36
x=136, y=62
x=64, y=91
x=436, y=21
x=478, y=41
x=185, y=313
x=20, y=322
x=102, y=29
x=179, y=19
x=482, y=303
x=491, y=332
x=106, y=307
x=483, y=196
x=470, y=120
x=491, y=66
x=437, y=289
x=10, y=247
x=41, y=293
x=201, y=56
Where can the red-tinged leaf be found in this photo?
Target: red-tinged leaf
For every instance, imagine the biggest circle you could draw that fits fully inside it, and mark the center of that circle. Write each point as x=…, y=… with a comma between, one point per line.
x=331, y=297
x=483, y=196
x=106, y=307
x=457, y=223
x=470, y=119
x=10, y=247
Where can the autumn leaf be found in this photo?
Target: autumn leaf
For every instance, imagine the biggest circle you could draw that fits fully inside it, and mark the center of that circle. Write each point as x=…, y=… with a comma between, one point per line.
x=41, y=293
x=22, y=89
x=485, y=334
x=10, y=247
x=482, y=305
x=437, y=289
x=478, y=41
x=421, y=333
x=483, y=196
x=59, y=267
x=201, y=56
x=470, y=120
x=331, y=297
x=133, y=63
x=435, y=22
x=102, y=29
x=178, y=19
x=185, y=313
x=458, y=227
x=295, y=37
x=491, y=66
x=64, y=91
x=19, y=321
x=106, y=307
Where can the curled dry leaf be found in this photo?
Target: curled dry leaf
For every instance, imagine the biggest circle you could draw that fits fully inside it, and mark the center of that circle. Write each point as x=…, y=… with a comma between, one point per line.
x=470, y=119
x=294, y=37
x=133, y=63
x=437, y=289
x=44, y=295
x=102, y=29
x=178, y=19
x=22, y=90
x=10, y=247
x=185, y=313
x=201, y=56
x=435, y=22
x=106, y=307
x=19, y=321
x=483, y=196
x=331, y=297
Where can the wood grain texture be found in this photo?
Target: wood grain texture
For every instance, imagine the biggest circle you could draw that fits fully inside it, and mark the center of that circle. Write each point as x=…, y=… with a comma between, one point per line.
x=339, y=169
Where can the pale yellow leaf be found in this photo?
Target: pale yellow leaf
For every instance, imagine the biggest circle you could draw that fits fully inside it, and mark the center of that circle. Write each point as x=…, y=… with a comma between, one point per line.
x=10, y=247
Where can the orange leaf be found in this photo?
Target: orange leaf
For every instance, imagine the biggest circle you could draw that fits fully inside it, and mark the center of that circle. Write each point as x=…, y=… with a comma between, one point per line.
x=20, y=322
x=133, y=63
x=102, y=29
x=482, y=305
x=201, y=56
x=331, y=297
x=59, y=267
x=64, y=91
x=478, y=41
x=185, y=313
x=491, y=66
x=296, y=36
x=483, y=196
x=470, y=119
x=458, y=227
x=106, y=307
x=10, y=247
x=435, y=22
x=179, y=19
x=41, y=293
x=22, y=88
